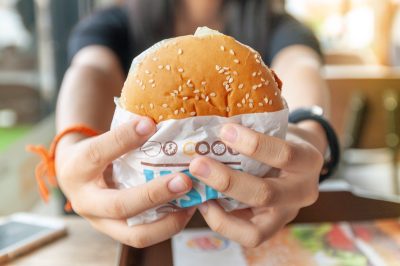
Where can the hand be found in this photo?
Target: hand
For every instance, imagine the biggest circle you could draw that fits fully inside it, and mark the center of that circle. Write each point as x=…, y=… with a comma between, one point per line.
x=83, y=169
x=274, y=200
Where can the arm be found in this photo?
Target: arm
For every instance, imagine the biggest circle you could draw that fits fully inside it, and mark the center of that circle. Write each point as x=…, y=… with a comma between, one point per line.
x=82, y=165
x=299, y=68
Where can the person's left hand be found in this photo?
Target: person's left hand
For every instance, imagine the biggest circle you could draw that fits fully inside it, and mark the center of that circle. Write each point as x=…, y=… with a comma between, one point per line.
x=274, y=200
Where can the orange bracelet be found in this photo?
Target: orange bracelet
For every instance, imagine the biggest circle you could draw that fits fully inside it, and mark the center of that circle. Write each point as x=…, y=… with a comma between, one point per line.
x=46, y=168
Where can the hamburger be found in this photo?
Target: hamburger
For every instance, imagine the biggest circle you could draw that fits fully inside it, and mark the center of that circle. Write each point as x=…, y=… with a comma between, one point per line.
x=204, y=74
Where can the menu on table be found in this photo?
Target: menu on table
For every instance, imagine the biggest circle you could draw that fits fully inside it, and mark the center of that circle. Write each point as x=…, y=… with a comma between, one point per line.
x=345, y=243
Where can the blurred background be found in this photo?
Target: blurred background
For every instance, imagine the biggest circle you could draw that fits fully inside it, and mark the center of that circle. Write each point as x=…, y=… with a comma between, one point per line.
x=361, y=45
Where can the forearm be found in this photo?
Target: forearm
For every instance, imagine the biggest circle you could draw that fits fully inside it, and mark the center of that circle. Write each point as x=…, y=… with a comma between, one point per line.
x=87, y=93
x=300, y=70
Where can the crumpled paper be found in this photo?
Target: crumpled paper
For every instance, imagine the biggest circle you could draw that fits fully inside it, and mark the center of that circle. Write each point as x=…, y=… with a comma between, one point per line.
x=177, y=142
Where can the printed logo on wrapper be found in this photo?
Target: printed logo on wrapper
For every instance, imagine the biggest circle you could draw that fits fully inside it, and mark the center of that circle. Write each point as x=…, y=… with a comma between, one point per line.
x=177, y=142
x=207, y=242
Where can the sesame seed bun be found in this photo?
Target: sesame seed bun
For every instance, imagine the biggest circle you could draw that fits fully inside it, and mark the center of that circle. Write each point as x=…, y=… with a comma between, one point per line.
x=203, y=74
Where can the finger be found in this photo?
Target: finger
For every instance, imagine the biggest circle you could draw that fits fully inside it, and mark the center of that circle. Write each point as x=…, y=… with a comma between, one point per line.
x=125, y=203
x=230, y=226
x=246, y=188
x=144, y=235
x=273, y=151
x=99, y=151
x=271, y=221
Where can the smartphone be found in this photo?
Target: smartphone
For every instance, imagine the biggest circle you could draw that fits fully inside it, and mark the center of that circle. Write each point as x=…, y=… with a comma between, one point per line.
x=22, y=232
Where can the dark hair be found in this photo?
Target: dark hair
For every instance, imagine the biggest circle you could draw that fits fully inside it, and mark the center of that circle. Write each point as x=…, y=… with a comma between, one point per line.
x=248, y=21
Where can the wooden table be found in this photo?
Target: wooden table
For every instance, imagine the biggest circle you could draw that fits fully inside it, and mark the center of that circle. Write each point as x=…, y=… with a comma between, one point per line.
x=82, y=246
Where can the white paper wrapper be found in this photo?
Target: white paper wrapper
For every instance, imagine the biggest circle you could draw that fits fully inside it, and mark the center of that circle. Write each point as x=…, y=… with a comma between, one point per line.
x=177, y=142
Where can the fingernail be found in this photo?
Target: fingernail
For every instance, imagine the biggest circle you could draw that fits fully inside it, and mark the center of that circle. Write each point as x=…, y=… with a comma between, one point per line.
x=203, y=208
x=177, y=185
x=202, y=169
x=229, y=134
x=144, y=127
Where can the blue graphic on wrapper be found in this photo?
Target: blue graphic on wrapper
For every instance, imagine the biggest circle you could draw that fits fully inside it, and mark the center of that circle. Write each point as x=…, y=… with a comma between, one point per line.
x=194, y=196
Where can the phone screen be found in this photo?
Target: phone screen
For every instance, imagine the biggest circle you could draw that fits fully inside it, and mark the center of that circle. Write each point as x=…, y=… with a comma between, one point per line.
x=14, y=232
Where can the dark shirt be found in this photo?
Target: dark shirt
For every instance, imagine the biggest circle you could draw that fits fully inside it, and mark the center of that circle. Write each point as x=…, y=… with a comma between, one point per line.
x=110, y=28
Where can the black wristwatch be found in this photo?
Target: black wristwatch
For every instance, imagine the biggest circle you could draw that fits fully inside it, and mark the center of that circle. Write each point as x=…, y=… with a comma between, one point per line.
x=316, y=113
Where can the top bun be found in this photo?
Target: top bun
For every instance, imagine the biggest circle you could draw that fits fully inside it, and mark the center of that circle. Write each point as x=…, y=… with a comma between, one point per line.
x=203, y=74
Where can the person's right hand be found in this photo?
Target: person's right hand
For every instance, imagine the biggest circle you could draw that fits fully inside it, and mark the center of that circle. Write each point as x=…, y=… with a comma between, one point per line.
x=82, y=174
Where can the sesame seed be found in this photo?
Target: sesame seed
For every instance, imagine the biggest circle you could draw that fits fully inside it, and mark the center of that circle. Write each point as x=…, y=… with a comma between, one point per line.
x=221, y=71
x=259, y=85
x=217, y=67
x=247, y=96
x=190, y=85
x=164, y=105
x=185, y=98
x=270, y=102
x=227, y=86
x=241, y=86
x=254, y=74
x=176, y=112
x=152, y=106
x=228, y=109
x=251, y=101
x=175, y=91
x=255, y=56
x=232, y=52
x=254, y=87
x=180, y=88
x=228, y=89
x=192, y=113
x=236, y=61
x=151, y=81
x=235, y=73
x=226, y=68
x=168, y=67
x=182, y=110
x=228, y=77
x=173, y=94
x=213, y=94
x=267, y=83
x=243, y=101
x=153, y=86
x=197, y=97
x=180, y=51
x=147, y=71
x=263, y=80
x=196, y=91
x=180, y=70
x=203, y=83
x=276, y=93
x=227, y=72
x=259, y=73
x=203, y=96
x=160, y=117
x=260, y=104
x=207, y=99
x=222, y=48
x=258, y=61
x=266, y=100
x=230, y=80
x=225, y=83
x=160, y=67
x=239, y=105
x=251, y=105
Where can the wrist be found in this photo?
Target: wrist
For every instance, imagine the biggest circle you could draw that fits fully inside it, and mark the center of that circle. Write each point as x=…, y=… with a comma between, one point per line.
x=317, y=135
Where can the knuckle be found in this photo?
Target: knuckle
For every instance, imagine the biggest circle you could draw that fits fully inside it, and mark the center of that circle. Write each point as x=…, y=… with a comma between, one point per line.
x=312, y=196
x=254, y=239
x=152, y=197
x=218, y=226
x=120, y=137
x=224, y=182
x=255, y=145
x=93, y=154
x=265, y=195
x=138, y=240
x=286, y=154
x=119, y=209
